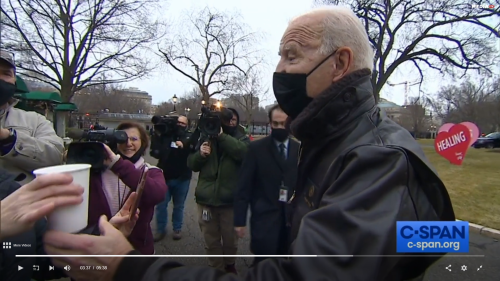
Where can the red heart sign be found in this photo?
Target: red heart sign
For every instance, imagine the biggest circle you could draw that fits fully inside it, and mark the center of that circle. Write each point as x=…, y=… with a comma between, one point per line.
x=453, y=144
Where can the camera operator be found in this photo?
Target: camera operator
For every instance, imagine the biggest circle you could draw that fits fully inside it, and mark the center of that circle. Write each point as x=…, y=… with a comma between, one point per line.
x=110, y=188
x=177, y=176
x=27, y=140
x=218, y=162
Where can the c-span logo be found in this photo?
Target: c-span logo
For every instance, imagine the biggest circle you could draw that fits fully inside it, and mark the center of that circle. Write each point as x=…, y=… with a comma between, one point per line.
x=432, y=237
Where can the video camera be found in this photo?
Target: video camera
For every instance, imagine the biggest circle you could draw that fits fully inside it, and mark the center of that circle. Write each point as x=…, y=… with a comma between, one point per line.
x=165, y=131
x=210, y=123
x=89, y=149
x=165, y=125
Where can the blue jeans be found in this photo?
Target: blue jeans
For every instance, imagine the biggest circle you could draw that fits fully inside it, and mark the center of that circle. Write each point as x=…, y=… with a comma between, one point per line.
x=177, y=191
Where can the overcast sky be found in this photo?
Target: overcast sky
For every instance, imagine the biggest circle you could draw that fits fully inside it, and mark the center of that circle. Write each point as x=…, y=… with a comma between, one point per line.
x=272, y=18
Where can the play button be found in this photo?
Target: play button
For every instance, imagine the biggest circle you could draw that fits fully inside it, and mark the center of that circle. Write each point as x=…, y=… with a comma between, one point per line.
x=19, y=268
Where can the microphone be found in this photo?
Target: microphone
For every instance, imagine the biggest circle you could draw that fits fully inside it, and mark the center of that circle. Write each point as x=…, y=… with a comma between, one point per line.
x=76, y=134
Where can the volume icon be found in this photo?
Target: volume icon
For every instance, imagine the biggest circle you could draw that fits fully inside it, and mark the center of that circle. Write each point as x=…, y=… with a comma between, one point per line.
x=67, y=268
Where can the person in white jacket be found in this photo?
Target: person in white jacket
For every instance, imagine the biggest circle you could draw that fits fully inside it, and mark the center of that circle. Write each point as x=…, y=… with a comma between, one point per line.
x=27, y=139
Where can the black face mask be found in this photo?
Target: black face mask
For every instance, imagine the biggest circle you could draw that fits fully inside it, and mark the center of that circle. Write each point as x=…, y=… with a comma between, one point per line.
x=181, y=130
x=279, y=134
x=134, y=157
x=228, y=129
x=290, y=90
x=7, y=91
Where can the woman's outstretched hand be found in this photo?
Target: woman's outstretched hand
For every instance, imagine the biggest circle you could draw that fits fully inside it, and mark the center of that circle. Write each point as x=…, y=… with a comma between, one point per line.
x=121, y=220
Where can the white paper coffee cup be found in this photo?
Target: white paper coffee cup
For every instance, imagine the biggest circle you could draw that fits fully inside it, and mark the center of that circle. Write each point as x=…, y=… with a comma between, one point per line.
x=70, y=219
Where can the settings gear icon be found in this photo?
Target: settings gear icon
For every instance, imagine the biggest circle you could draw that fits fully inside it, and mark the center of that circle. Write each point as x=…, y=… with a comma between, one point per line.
x=464, y=267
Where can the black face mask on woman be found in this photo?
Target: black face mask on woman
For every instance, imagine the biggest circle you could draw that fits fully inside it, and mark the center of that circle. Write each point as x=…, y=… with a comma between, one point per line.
x=290, y=90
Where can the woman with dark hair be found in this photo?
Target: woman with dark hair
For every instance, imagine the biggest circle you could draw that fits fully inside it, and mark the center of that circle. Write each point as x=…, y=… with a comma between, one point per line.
x=110, y=188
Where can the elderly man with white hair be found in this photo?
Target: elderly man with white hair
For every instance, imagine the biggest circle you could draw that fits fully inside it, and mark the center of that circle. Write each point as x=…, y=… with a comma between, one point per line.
x=359, y=172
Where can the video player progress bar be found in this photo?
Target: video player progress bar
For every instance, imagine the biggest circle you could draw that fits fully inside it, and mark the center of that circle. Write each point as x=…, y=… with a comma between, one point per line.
x=253, y=256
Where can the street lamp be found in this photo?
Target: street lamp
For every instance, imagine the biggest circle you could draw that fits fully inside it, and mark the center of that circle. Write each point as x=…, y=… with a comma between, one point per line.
x=187, y=110
x=203, y=102
x=174, y=100
x=218, y=104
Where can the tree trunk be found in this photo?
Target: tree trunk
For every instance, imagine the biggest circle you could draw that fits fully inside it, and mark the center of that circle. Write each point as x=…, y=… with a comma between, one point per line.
x=249, y=118
x=61, y=120
x=204, y=94
x=62, y=117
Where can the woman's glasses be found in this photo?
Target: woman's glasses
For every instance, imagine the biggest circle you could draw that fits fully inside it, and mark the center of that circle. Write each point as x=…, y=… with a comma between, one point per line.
x=133, y=139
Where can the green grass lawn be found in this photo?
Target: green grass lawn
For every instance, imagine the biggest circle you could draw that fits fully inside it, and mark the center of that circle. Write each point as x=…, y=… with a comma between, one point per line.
x=426, y=141
x=474, y=186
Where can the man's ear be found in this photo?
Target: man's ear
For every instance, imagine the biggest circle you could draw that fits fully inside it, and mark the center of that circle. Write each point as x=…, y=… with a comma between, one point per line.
x=343, y=61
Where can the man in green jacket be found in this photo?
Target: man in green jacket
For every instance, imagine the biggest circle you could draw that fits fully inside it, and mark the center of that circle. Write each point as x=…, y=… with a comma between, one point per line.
x=218, y=163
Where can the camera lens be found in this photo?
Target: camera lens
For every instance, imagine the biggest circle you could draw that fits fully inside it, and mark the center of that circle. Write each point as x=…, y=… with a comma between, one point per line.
x=210, y=126
x=88, y=155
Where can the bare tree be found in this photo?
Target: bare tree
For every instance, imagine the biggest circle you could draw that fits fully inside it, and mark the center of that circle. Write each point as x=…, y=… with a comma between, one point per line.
x=164, y=108
x=108, y=98
x=260, y=116
x=469, y=101
x=209, y=49
x=189, y=105
x=493, y=111
x=443, y=35
x=73, y=44
x=416, y=119
x=247, y=91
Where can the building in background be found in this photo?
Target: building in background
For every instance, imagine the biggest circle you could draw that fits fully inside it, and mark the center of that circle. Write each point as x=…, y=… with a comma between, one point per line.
x=395, y=112
x=138, y=95
x=268, y=107
x=416, y=118
x=109, y=99
x=244, y=102
x=153, y=109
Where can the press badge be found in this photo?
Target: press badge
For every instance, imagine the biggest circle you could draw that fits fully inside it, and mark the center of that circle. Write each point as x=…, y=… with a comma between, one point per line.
x=205, y=215
x=173, y=145
x=283, y=193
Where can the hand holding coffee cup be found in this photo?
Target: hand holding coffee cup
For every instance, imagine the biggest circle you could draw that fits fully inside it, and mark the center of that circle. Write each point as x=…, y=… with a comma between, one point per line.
x=69, y=218
x=37, y=199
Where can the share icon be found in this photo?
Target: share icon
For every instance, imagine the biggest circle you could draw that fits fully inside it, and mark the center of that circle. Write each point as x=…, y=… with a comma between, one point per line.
x=448, y=267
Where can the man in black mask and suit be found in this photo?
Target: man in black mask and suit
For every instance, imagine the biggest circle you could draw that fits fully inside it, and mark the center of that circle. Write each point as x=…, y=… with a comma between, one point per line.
x=266, y=182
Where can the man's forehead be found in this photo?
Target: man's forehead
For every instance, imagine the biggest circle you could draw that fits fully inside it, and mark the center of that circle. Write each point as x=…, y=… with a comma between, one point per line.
x=279, y=115
x=304, y=29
